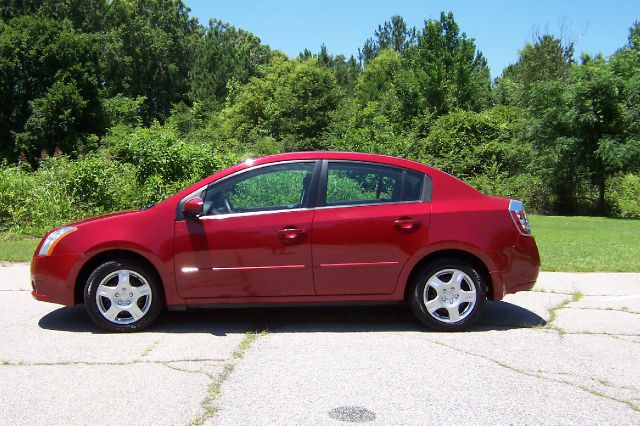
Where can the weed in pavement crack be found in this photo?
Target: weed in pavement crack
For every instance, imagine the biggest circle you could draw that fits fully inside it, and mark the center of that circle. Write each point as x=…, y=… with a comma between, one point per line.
x=208, y=403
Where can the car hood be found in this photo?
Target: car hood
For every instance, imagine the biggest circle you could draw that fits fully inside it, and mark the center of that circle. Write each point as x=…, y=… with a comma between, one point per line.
x=105, y=217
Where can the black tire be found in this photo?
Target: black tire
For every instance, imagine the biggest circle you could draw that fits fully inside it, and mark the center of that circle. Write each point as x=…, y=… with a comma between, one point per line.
x=138, y=275
x=443, y=318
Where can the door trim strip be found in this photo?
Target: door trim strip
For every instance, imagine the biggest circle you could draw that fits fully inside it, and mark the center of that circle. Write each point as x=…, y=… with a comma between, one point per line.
x=332, y=265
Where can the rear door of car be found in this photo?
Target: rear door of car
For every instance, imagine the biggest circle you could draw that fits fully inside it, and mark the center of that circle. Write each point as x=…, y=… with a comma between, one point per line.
x=370, y=219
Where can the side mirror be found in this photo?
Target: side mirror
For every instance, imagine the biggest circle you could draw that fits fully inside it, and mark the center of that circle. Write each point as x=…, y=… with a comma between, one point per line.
x=192, y=208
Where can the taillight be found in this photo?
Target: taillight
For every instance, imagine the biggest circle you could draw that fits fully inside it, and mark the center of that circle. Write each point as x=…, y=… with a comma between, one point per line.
x=516, y=210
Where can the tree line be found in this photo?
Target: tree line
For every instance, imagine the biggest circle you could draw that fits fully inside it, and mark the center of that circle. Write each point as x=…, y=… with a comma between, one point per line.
x=90, y=81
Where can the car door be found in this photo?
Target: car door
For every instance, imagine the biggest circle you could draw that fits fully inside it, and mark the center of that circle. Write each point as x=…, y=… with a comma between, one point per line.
x=254, y=237
x=371, y=219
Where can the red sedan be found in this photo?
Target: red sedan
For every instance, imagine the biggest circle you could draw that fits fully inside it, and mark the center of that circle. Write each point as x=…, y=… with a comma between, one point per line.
x=297, y=228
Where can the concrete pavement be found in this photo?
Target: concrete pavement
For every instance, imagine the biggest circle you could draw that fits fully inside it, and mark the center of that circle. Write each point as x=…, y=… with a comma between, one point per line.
x=566, y=353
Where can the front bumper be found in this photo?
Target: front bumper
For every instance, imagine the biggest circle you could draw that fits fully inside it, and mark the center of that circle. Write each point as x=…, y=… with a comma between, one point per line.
x=53, y=278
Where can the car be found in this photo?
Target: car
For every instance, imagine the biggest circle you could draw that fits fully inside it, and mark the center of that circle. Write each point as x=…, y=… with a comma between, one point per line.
x=297, y=228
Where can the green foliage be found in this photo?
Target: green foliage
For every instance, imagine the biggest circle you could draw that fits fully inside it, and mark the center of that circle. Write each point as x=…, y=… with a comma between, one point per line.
x=122, y=110
x=134, y=99
x=547, y=59
x=225, y=54
x=62, y=190
x=137, y=167
x=448, y=71
x=378, y=77
x=163, y=161
x=146, y=51
x=624, y=195
x=48, y=86
x=468, y=144
x=85, y=15
x=292, y=104
x=582, y=132
x=392, y=35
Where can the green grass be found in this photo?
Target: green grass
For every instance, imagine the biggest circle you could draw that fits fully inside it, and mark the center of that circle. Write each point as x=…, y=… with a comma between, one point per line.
x=578, y=243
x=587, y=244
x=17, y=250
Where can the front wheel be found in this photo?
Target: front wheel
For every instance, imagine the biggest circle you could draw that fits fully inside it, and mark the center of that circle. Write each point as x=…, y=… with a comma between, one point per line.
x=448, y=295
x=123, y=295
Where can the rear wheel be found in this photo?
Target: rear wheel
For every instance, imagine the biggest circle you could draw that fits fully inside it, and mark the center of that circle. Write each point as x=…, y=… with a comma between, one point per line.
x=123, y=295
x=448, y=295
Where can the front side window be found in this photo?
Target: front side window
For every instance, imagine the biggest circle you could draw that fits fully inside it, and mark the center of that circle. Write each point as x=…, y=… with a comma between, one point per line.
x=277, y=187
x=362, y=183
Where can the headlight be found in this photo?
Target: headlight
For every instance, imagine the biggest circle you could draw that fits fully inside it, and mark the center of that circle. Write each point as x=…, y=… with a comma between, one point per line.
x=53, y=239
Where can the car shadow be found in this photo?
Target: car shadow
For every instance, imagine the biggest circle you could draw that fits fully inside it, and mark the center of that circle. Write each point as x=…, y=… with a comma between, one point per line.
x=311, y=319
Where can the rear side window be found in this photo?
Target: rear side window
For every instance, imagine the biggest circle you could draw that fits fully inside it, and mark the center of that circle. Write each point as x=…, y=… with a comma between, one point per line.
x=363, y=183
x=413, y=183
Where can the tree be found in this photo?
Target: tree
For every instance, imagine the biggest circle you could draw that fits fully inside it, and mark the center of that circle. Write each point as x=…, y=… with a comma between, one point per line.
x=598, y=114
x=548, y=58
x=224, y=54
x=291, y=104
x=378, y=77
x=345, y=71
x=449, y=71
x=48, y=86
x=85, y=15
x=626, y=65
x=469, y=144
x=580, y=130
x=147, y=51
x=392, y=35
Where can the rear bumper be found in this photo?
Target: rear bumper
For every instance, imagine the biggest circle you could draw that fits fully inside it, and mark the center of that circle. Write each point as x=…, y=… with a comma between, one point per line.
x=52, y=278
x=521, y=271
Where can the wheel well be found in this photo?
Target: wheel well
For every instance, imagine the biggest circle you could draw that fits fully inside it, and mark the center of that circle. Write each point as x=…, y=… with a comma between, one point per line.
x=457, y=254
x=99, y=258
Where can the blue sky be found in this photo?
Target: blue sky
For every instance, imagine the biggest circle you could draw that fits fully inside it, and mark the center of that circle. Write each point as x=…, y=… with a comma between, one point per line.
x=500, y=28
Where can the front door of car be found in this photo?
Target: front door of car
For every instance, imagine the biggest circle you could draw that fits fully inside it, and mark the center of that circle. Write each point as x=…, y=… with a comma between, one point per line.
x=371, y=220
x=253, y=239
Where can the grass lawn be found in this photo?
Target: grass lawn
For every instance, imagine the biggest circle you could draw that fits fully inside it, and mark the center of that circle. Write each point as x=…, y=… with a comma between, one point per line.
x=587, y=244
x=578, y=243
x=17, y=250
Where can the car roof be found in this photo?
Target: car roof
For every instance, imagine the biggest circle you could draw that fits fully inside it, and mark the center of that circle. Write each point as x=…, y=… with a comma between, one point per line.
x=455, y=187
x=339, y=155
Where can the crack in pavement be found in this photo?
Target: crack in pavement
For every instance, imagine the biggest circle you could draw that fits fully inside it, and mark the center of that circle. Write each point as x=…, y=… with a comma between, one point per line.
x=630, y=402
x=626, y=311
x=184, y=370
x=544, y=291
x=4, y=363
x=213, y=390
x=603, y=382
x=586, y=333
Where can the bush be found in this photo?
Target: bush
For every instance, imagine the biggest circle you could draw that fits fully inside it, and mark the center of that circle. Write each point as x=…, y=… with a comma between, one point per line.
x=138, y=166
x=525, y=187
x=159, y=151
x=61, y=191
x=33, y=202
x=624, y=196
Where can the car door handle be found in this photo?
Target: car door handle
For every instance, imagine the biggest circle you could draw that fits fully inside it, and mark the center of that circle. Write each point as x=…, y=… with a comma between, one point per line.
x=291, y=233
x=406, y=223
